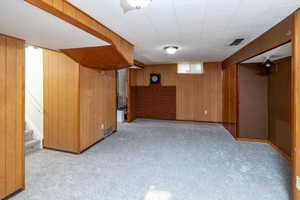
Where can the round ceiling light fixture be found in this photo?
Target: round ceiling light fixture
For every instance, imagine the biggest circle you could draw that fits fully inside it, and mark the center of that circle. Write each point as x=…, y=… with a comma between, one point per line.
x=138, y=4
x=171, y=49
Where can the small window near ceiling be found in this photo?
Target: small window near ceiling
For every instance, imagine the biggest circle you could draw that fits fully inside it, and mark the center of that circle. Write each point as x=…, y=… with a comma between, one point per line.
x=190, y=68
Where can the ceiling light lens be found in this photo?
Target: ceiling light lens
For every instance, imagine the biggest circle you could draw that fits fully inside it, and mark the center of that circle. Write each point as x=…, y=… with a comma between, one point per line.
x=138, y=4
x=171, y=50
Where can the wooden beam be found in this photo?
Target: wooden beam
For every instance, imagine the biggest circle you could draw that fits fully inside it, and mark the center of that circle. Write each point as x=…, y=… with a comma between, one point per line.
x=296, y=103
x=138, y=63
x=278, y=35
x=71, y=14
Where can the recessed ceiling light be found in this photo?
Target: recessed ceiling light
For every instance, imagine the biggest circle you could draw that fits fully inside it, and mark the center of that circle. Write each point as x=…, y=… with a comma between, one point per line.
x=138, y=4
x=171, y=49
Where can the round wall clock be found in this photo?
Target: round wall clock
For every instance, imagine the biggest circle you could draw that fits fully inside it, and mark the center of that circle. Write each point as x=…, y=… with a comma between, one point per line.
x=154, y=78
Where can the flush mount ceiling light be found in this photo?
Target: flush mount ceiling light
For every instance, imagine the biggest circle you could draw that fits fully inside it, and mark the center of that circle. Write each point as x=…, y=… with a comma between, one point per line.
x=171, y=49
x=138, y=4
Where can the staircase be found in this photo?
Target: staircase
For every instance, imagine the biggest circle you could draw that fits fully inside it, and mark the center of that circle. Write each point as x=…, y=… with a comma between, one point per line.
x=31, y=144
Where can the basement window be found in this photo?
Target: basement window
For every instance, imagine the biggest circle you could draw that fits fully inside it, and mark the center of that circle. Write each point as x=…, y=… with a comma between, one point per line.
x=190, y=68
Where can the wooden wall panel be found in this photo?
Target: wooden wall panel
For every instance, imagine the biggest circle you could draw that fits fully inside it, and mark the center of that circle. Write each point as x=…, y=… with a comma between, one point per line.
x=79, y=103
x=2, y=116
x=195, y=93
x=12, y=123
x=296, y=104
x=131, y=111
x=61, y=102
x=230, y=103
x=253, y=102
x=97, y=105
x=156, y=102
x=280, y=105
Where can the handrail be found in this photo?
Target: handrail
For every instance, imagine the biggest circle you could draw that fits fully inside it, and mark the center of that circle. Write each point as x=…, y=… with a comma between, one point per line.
x=36, y=104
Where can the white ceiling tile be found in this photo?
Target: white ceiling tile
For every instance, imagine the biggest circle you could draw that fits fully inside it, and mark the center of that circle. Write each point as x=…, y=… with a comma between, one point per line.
x=202, y=28
x=36, y=27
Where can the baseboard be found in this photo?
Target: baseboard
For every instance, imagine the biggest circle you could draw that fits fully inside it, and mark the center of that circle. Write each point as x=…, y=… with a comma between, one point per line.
x=177, y=120
x=277, y=149
x=283, y=154
x=253, y=140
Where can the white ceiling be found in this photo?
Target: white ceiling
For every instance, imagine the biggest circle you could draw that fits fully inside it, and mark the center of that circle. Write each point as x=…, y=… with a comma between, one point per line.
x=37, y=27
x=202, y=28
x=274, y=54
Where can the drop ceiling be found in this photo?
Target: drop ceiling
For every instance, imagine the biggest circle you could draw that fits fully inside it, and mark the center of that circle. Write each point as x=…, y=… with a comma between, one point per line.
x=203, y=29
x=22, y=20
x=274, y=54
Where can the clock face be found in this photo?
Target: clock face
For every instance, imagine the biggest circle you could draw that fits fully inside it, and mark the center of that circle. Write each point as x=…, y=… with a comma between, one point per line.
x=155, y=78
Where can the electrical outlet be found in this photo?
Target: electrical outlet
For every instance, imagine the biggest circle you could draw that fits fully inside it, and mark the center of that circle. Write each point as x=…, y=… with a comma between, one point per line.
x=298, y=183
x=205, y=112
x=102, y=126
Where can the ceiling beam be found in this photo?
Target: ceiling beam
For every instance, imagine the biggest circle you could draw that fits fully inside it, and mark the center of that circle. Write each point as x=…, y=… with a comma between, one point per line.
x=73, y=15
x=278, y=35
x=138, y=63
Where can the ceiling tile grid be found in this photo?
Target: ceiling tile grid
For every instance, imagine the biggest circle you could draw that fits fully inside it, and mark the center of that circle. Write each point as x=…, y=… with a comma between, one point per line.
x=22, y=20
x=203, y=29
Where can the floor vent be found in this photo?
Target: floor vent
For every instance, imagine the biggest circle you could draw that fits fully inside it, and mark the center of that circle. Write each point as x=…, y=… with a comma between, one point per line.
x=108, y=132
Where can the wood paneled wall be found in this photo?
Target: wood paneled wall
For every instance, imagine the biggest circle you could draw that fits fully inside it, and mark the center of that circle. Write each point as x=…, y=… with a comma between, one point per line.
x=79, y=103
x=198, y=97
x=253, y=102
x=280, y=105
x=131, y=114
x=12, y=120
x=156, y=102
x=97, y=105
x=230, y=102
x=296, y=104
x=61, y=102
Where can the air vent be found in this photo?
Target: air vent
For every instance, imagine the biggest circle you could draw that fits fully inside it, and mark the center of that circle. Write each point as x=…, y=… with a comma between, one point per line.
x=108, y=132
x=237, y=42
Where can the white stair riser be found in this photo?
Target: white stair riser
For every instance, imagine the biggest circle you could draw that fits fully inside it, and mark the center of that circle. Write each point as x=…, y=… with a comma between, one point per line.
x=28, y=135
x=32, y=146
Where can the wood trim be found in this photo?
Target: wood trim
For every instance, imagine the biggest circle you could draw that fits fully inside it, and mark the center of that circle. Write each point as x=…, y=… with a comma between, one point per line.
x=59, y=150
x=8, y=36
x=21, y=47
x=278, y=35
x=138, y=63
x=252, y=140
x=238, y=101
x=283, y=154
x=130, y=109
x=295, y=103
x=277, y=149
x=73, y=15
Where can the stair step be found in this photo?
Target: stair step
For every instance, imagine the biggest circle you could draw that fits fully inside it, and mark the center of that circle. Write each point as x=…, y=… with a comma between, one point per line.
x=32, y=146
x=28, y=135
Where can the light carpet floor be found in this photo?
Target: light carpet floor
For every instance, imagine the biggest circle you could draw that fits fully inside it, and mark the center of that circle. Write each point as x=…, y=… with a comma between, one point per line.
x=160, y=160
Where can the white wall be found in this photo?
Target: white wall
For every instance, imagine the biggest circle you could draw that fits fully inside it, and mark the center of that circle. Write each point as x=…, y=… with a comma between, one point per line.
x=34, y=90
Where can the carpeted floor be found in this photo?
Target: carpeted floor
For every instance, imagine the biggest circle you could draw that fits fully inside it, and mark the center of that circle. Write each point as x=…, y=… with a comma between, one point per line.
x=160, y=160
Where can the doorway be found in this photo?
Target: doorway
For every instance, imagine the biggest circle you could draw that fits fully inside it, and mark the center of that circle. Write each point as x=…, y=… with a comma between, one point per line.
x=33, y=98
x=264, y=102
